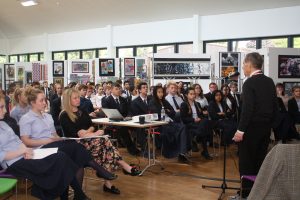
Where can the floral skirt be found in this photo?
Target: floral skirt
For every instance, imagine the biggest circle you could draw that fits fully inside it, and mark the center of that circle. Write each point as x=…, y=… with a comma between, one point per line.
x=103, y=152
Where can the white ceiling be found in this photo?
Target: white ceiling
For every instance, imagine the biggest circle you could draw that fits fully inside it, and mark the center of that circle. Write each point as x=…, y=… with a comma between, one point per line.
x=53, y=16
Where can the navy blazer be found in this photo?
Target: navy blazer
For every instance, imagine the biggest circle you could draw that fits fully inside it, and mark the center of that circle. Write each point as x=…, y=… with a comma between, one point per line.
x=86, y=105
x=138, y=107
x=213, y=109
x=112, y=104
x=293, y=109
x=186, y=116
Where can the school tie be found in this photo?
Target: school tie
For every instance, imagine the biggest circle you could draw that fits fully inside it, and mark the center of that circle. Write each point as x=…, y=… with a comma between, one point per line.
x=237, y=100
x=175, y=103
x=145, y=101
x=117, y=101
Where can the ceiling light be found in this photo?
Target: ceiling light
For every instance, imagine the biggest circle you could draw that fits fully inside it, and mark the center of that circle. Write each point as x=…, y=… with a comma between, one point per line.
x=28, y=2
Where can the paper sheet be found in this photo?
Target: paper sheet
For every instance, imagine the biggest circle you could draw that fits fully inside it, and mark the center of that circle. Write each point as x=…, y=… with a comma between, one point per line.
x=42, y=153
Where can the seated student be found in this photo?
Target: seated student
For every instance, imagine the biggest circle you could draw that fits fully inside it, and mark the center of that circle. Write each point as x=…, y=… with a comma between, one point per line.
x=51, y=176
x=229, y=101
x=115, y=101
x=191, y=115
x=212, y=87
x=98, y=98
x=173, y=135
x=55, y=109
x=58, y=90
x=234, y=96
x=173, y=97
x=37, y=129
x=77, y=123
x=126, y=92
x=222, y=116
x=21, y=107
x=86, y=104
x=294, y=105
x=200, y=98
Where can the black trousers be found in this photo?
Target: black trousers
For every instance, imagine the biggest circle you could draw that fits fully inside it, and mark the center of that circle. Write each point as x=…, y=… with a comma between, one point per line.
x=252, y=151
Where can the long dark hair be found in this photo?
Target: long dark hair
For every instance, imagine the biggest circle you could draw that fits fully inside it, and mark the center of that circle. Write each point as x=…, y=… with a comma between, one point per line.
x=201, y=93
x=214, y=95
x=282, y=86
x=155, y=97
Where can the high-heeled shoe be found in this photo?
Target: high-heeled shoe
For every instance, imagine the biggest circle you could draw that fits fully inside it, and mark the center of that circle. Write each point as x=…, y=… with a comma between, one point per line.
x=133, y=172
x=107, y=176
x=113, y=189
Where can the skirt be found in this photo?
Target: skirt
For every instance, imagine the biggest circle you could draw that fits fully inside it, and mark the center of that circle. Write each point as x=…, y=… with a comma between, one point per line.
x=50, y=176
x=103, y=152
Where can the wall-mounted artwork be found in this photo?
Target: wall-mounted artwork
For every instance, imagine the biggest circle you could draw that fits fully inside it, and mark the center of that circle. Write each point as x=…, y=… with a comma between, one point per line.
x=181, y=67
x=80, y=67
x=58, y=68
x=9, y=71
x=106, y=67
x=0, y=78
x=141, y=68
x=288, y=86
x=28, y=77
x=229, y=63
x=129, y=67
x=289, y=66
x=59, y=80
x=20, y=75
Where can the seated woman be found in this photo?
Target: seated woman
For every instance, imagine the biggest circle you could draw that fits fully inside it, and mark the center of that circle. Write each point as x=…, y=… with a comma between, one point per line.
x=192, y=115
x=229, y=101
x=173, y=135
x=77, y=123
x=200, y=98
x=51, y=175
x=37, y=129
x=221, y=116
x=21, y=107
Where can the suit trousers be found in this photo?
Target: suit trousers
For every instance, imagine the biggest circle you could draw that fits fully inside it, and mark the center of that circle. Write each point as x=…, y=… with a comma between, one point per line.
x=253, y=150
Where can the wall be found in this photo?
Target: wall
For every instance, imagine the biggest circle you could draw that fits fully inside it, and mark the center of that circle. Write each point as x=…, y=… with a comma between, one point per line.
x=4, y=46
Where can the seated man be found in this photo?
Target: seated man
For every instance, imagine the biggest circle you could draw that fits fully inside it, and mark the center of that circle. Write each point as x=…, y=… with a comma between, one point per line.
x=294, y=105
x=85, y=104
x=115, y=101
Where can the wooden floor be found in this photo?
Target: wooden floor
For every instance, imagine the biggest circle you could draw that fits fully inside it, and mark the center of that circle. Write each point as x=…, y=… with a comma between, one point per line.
x=177, y=181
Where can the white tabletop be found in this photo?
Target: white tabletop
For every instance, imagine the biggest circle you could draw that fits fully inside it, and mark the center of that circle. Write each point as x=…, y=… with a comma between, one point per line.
x=105, y=121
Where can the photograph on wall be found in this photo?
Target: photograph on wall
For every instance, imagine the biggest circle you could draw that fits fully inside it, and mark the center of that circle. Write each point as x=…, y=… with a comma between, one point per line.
x=181, y=68
x=0, y=78
x=289, y=66
x=9, y=72
x=59, y=80
x=106, y=67
x=28, y=77
x=229, y=63
x=20, y=75
x=141, y=68
x=288, y=86
x=129, y=67
x=58, y=68
x=80, y=67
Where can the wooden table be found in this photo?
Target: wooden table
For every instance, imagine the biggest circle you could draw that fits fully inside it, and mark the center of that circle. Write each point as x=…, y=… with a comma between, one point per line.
x=148, y=125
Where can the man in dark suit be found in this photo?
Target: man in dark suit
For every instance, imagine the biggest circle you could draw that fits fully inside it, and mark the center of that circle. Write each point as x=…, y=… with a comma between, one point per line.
x=212, y=87
x=115, y=101
x=235, y=97
x=57, y=94
x=294, y=105
x=258, y=113
x=46, y=90
x=86, y=104
x=126, y=91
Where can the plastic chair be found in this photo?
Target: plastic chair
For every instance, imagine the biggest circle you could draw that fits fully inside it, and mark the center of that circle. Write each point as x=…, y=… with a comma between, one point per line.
x=6, y=185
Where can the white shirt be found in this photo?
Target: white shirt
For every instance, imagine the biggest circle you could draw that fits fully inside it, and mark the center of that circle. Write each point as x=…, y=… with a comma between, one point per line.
x=203, y=101
x=229, y=104
x=194, y=111
x=178, y=99
x=220, y=107
x=97, y=100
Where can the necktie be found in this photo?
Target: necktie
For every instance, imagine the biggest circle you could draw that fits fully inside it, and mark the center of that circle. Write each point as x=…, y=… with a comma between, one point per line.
x=117, y=101
x=145, y=101
x=236, y=99
x=175, y=103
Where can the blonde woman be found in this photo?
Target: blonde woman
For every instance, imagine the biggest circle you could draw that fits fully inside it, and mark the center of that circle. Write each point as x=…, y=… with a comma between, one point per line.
x=77, y=123
x=21, y=107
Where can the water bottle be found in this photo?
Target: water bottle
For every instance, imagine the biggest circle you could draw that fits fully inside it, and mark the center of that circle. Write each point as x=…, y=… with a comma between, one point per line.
x=162, y=114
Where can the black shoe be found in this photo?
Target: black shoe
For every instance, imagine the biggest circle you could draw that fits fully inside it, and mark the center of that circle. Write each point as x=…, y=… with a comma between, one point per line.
x=134, y=171
x=112, y=190
x=206, y=155
x=183, y=159
x=109, y=176
x=194, y=146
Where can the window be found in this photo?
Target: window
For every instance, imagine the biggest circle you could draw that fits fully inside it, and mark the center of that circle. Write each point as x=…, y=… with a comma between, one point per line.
x=13, y=59
x=102, y=53
x=33, y=57
x=276, y=42
x=2, y=59
x=185, y=48
x=165, y=49
x=125, y=52
x=23, y=58
x=42, y=57
x=88, y=54
x=73, y=55
x=297, y=42
x=245, y=46
x=144, y=51
x=59, y=56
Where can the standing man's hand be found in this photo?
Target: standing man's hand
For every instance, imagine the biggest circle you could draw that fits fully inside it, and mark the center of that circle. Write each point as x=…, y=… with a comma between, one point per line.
x=238, y=136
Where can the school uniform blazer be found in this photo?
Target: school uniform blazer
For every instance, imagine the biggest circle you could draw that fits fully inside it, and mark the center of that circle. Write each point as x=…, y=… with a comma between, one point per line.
x=111, y=103
x=213, y=109
x=138, y=107
x=155, y=107
x=293, y=109
x=187, y=117
x=55, y=110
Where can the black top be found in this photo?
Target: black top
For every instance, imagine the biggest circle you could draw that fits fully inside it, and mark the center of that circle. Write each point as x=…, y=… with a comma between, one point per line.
x=86, y=105
x=70, y=128
x=186, y=113
x=111, y=103
x=55, y=109
x=138, y=107
x=208, y=96
x=155, y=107
x=259, y=101
x=293, y=109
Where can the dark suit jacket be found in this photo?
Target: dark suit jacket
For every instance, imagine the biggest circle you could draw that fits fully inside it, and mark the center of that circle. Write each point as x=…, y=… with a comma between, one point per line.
x=111, y=104
x=233, y=103
x=208, y=96
x=52, y=98
x=259, y=101
x=138, y=107
x=86, y=105
x=213, y=109
x=293, y=110
x=48, y=92
x=55, y=110
x=187, y=117
x=155, y=107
